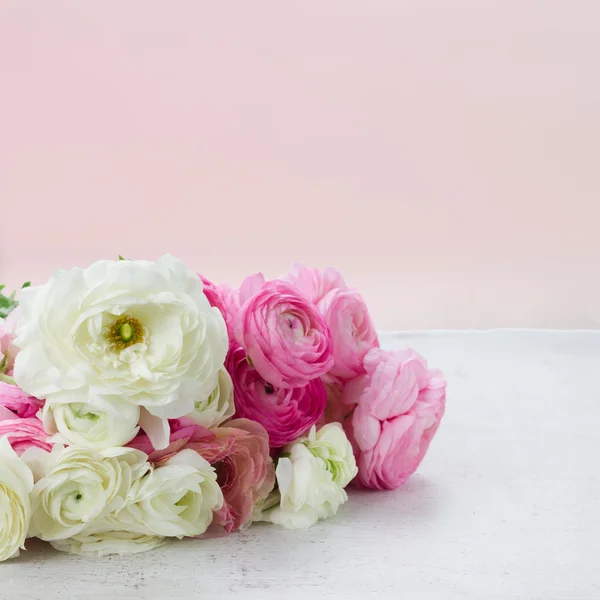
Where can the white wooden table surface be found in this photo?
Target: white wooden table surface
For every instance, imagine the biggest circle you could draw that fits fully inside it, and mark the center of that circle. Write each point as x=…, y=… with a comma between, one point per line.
x=505, y=506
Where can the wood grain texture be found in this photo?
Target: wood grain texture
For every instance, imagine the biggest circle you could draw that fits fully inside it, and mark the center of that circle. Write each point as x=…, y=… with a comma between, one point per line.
x=506, y=506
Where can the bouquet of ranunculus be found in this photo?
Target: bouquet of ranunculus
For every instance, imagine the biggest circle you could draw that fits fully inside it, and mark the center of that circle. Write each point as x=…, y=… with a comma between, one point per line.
x=139, y=402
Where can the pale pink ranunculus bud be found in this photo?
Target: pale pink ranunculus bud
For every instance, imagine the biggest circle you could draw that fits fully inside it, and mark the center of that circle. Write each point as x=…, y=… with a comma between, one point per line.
x=399, y=404
x=352, y=332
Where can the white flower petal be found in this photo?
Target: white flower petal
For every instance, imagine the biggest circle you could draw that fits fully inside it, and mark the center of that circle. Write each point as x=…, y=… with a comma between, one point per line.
x=105, y=538
x=156, y=428
x=218, y=407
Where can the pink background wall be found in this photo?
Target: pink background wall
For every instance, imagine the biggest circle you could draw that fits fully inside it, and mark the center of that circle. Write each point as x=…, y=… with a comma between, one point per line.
x=443, y=154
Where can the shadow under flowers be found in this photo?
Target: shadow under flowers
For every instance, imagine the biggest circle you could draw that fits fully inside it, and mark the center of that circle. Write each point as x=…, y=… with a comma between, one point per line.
x=417, y=500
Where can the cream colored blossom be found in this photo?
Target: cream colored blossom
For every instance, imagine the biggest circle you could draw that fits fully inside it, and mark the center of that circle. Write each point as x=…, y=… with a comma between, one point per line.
x=136, y=331
x=82, y=486
x=16, y=483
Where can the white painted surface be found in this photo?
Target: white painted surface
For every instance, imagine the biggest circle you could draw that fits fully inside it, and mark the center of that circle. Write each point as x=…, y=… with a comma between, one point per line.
x=506, y=505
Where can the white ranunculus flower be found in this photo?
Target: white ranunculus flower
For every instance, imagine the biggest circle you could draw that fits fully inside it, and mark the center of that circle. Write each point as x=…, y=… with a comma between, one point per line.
x=103, y=424
x=307, y=490
x=103, y=538
x=174, y=500
x=218, y=407
x=81, y=486
x=311, y=476
x=138, y=331
x=16, y=483
x=331, y=445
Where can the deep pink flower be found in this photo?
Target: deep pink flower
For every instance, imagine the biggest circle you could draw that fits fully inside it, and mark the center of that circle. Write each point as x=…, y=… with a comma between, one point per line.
x=352, y=331
x=284, y=335
x=400, y=403
x=15, y=399
x=315, y=284
x=23, y=433
x=287, y=413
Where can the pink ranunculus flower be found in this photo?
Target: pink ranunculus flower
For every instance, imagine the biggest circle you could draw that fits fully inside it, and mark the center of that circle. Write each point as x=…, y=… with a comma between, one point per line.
x=8, y=351
x=352, y=331
x=284, y=335
x=229, y=300
x=239, y=452
x=400, y=403
x=315, y=284
x=23, y=433
x=16, y=400
x=286, y=413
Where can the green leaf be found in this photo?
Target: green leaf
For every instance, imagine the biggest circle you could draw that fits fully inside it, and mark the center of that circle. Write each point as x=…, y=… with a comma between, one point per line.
x=121, y=258
x=26, y=285
x=7, y=303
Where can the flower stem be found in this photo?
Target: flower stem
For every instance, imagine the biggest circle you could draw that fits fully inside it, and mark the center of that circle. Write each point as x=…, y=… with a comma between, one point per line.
x=7, y=379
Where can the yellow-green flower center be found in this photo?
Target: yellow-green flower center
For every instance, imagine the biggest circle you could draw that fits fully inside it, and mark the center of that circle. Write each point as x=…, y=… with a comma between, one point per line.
x=124, y=332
